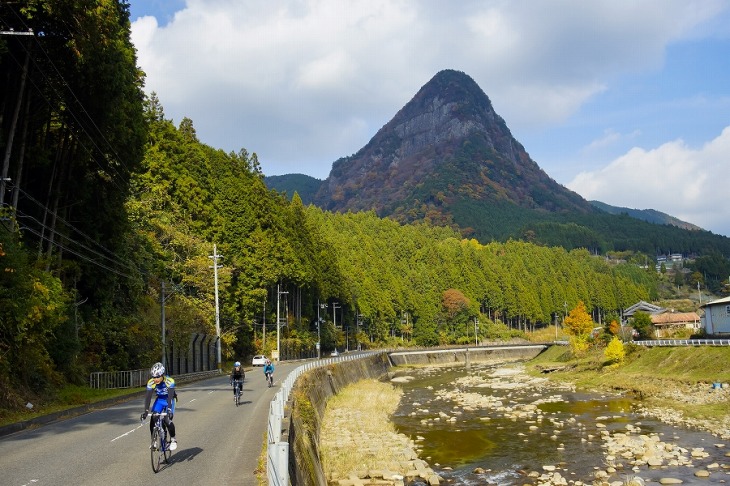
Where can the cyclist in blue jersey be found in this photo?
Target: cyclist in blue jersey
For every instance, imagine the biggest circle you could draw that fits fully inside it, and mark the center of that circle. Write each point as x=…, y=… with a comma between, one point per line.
x=269, y=372
x=164, y=388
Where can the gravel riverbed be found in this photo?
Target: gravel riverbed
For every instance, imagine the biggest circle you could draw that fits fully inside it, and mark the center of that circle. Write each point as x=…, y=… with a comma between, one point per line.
x=631, y=455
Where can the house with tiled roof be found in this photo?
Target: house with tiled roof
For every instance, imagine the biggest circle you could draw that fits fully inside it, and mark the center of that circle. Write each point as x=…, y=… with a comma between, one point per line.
x=642, y=306
x=666, y=322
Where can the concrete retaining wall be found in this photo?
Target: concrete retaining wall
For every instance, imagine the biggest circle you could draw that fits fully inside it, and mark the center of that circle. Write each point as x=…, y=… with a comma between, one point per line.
x=491, y=354
x=308, y=401
x=313, y=389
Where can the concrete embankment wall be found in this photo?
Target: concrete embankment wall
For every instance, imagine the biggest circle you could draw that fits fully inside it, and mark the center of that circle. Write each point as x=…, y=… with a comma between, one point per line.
x=314, y=388
x=495, y=354
x=308, y=401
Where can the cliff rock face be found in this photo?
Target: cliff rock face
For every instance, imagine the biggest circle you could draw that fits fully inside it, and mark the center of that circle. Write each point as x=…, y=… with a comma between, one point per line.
x=444, y=151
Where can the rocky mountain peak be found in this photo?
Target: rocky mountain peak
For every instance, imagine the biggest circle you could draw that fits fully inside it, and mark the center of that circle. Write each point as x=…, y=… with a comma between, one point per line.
x=445, y=148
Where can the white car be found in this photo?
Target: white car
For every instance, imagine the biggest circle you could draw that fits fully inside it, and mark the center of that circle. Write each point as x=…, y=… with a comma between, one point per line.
x=335, y=353
x=258, y=360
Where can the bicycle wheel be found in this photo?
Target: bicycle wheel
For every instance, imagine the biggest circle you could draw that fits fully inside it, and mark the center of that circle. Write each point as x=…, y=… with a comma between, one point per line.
x=238, y=396
x=166, y=449
x=155, y=450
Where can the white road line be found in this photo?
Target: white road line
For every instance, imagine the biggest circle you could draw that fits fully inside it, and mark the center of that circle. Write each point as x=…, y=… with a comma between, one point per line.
x=127, y=433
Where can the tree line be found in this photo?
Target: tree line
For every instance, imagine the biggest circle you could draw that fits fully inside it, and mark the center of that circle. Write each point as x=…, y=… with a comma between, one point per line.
x=108, y=202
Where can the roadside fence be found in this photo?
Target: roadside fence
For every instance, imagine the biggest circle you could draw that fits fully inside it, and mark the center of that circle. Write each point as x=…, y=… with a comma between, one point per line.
x=683, y=342
x=138, y=378
x=277, y=452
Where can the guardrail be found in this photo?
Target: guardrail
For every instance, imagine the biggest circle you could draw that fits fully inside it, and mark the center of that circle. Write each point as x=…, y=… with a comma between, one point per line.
x=137, y=378
x=683, y=342
x=277, y=451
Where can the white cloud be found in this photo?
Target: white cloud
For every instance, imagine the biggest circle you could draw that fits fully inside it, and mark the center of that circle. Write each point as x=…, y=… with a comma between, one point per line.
x=673, y=178
x=610, y=137
x=304, y=82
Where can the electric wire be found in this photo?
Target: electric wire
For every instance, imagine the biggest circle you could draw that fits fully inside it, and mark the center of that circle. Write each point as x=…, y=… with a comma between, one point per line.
x=73, y=228
x=65, y=248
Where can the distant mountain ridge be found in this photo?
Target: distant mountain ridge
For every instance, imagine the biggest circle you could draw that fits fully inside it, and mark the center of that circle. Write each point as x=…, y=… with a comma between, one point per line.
x=648, y=215
x=448, y=159
x=304, y=185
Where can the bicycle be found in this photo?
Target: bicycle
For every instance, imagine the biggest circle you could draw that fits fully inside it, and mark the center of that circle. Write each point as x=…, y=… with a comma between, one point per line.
x=270, y=379
x=160, y=446
x=237, y=392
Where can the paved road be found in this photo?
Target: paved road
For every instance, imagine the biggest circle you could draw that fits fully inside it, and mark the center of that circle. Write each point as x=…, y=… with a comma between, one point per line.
x=218, y=443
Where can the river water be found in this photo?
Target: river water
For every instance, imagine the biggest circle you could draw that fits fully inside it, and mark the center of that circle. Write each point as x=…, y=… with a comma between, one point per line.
x=496, y=425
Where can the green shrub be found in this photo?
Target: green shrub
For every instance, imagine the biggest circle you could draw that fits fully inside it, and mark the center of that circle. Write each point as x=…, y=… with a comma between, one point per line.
x=615, y=352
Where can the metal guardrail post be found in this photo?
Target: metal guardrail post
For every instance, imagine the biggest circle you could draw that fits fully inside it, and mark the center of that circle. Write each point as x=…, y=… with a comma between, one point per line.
x=276, y=416
x=277, y=464
x=683, y=342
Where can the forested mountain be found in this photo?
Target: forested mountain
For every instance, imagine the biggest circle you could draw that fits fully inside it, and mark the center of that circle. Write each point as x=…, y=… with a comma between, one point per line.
x=289, y=184
x=445, y=146
x=447, y=158
x=648, y=215
x=112, y=210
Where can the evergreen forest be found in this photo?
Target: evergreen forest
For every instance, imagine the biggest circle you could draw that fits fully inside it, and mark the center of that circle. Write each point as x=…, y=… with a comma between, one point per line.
x=111, y=211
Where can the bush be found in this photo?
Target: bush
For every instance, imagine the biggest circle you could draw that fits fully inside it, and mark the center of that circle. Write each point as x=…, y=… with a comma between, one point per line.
x=615, y=352
x=579, y=345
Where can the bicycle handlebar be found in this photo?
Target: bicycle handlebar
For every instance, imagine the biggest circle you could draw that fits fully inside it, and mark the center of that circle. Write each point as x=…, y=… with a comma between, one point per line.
x=152, y=414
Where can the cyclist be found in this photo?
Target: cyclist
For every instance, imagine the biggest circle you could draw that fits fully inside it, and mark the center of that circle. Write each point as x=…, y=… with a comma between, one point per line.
x=269, y=372
x=237, y=377
x=164, y=388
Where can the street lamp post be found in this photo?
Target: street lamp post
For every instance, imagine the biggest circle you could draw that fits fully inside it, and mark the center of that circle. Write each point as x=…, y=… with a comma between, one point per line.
x=278, y=324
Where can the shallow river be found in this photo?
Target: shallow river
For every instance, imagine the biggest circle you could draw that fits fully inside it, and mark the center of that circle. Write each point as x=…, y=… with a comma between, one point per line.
x=509, y=425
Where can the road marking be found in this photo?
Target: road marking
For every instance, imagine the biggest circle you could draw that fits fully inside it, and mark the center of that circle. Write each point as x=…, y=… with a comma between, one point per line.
x=127, y=433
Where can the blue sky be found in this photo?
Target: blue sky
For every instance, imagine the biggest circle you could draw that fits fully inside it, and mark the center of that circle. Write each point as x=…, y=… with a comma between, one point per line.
x=625, y=102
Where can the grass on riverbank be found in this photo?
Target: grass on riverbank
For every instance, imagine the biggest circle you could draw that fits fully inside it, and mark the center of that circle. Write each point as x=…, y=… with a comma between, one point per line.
x=342, y=451
x=661, y=375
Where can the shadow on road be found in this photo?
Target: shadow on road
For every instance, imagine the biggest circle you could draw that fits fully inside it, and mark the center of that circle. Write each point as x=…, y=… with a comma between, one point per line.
x=185, y=454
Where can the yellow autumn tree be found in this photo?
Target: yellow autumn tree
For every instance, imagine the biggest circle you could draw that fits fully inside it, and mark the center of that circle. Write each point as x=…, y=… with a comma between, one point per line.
x=578, y=322
x=615, y=352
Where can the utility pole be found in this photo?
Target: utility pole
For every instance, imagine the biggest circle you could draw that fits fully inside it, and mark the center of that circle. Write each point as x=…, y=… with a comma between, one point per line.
x=278, y=323
x=335, y=306
x=263, y=329
x=698, y=291
x=215, y=257
x=334, y=318
x=319, y=323
x=162, y=318
x=476, y=333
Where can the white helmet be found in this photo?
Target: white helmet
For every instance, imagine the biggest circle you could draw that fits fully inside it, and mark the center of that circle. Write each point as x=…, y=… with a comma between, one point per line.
x=157, y=370
x=237, y=364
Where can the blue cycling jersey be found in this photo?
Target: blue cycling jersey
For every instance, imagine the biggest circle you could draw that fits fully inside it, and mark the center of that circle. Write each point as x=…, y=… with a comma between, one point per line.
x=165, y=391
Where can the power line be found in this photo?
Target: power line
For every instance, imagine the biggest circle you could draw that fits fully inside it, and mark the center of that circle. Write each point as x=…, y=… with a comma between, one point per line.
x=74, y=229
x=65, y=248
x=67, y=239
